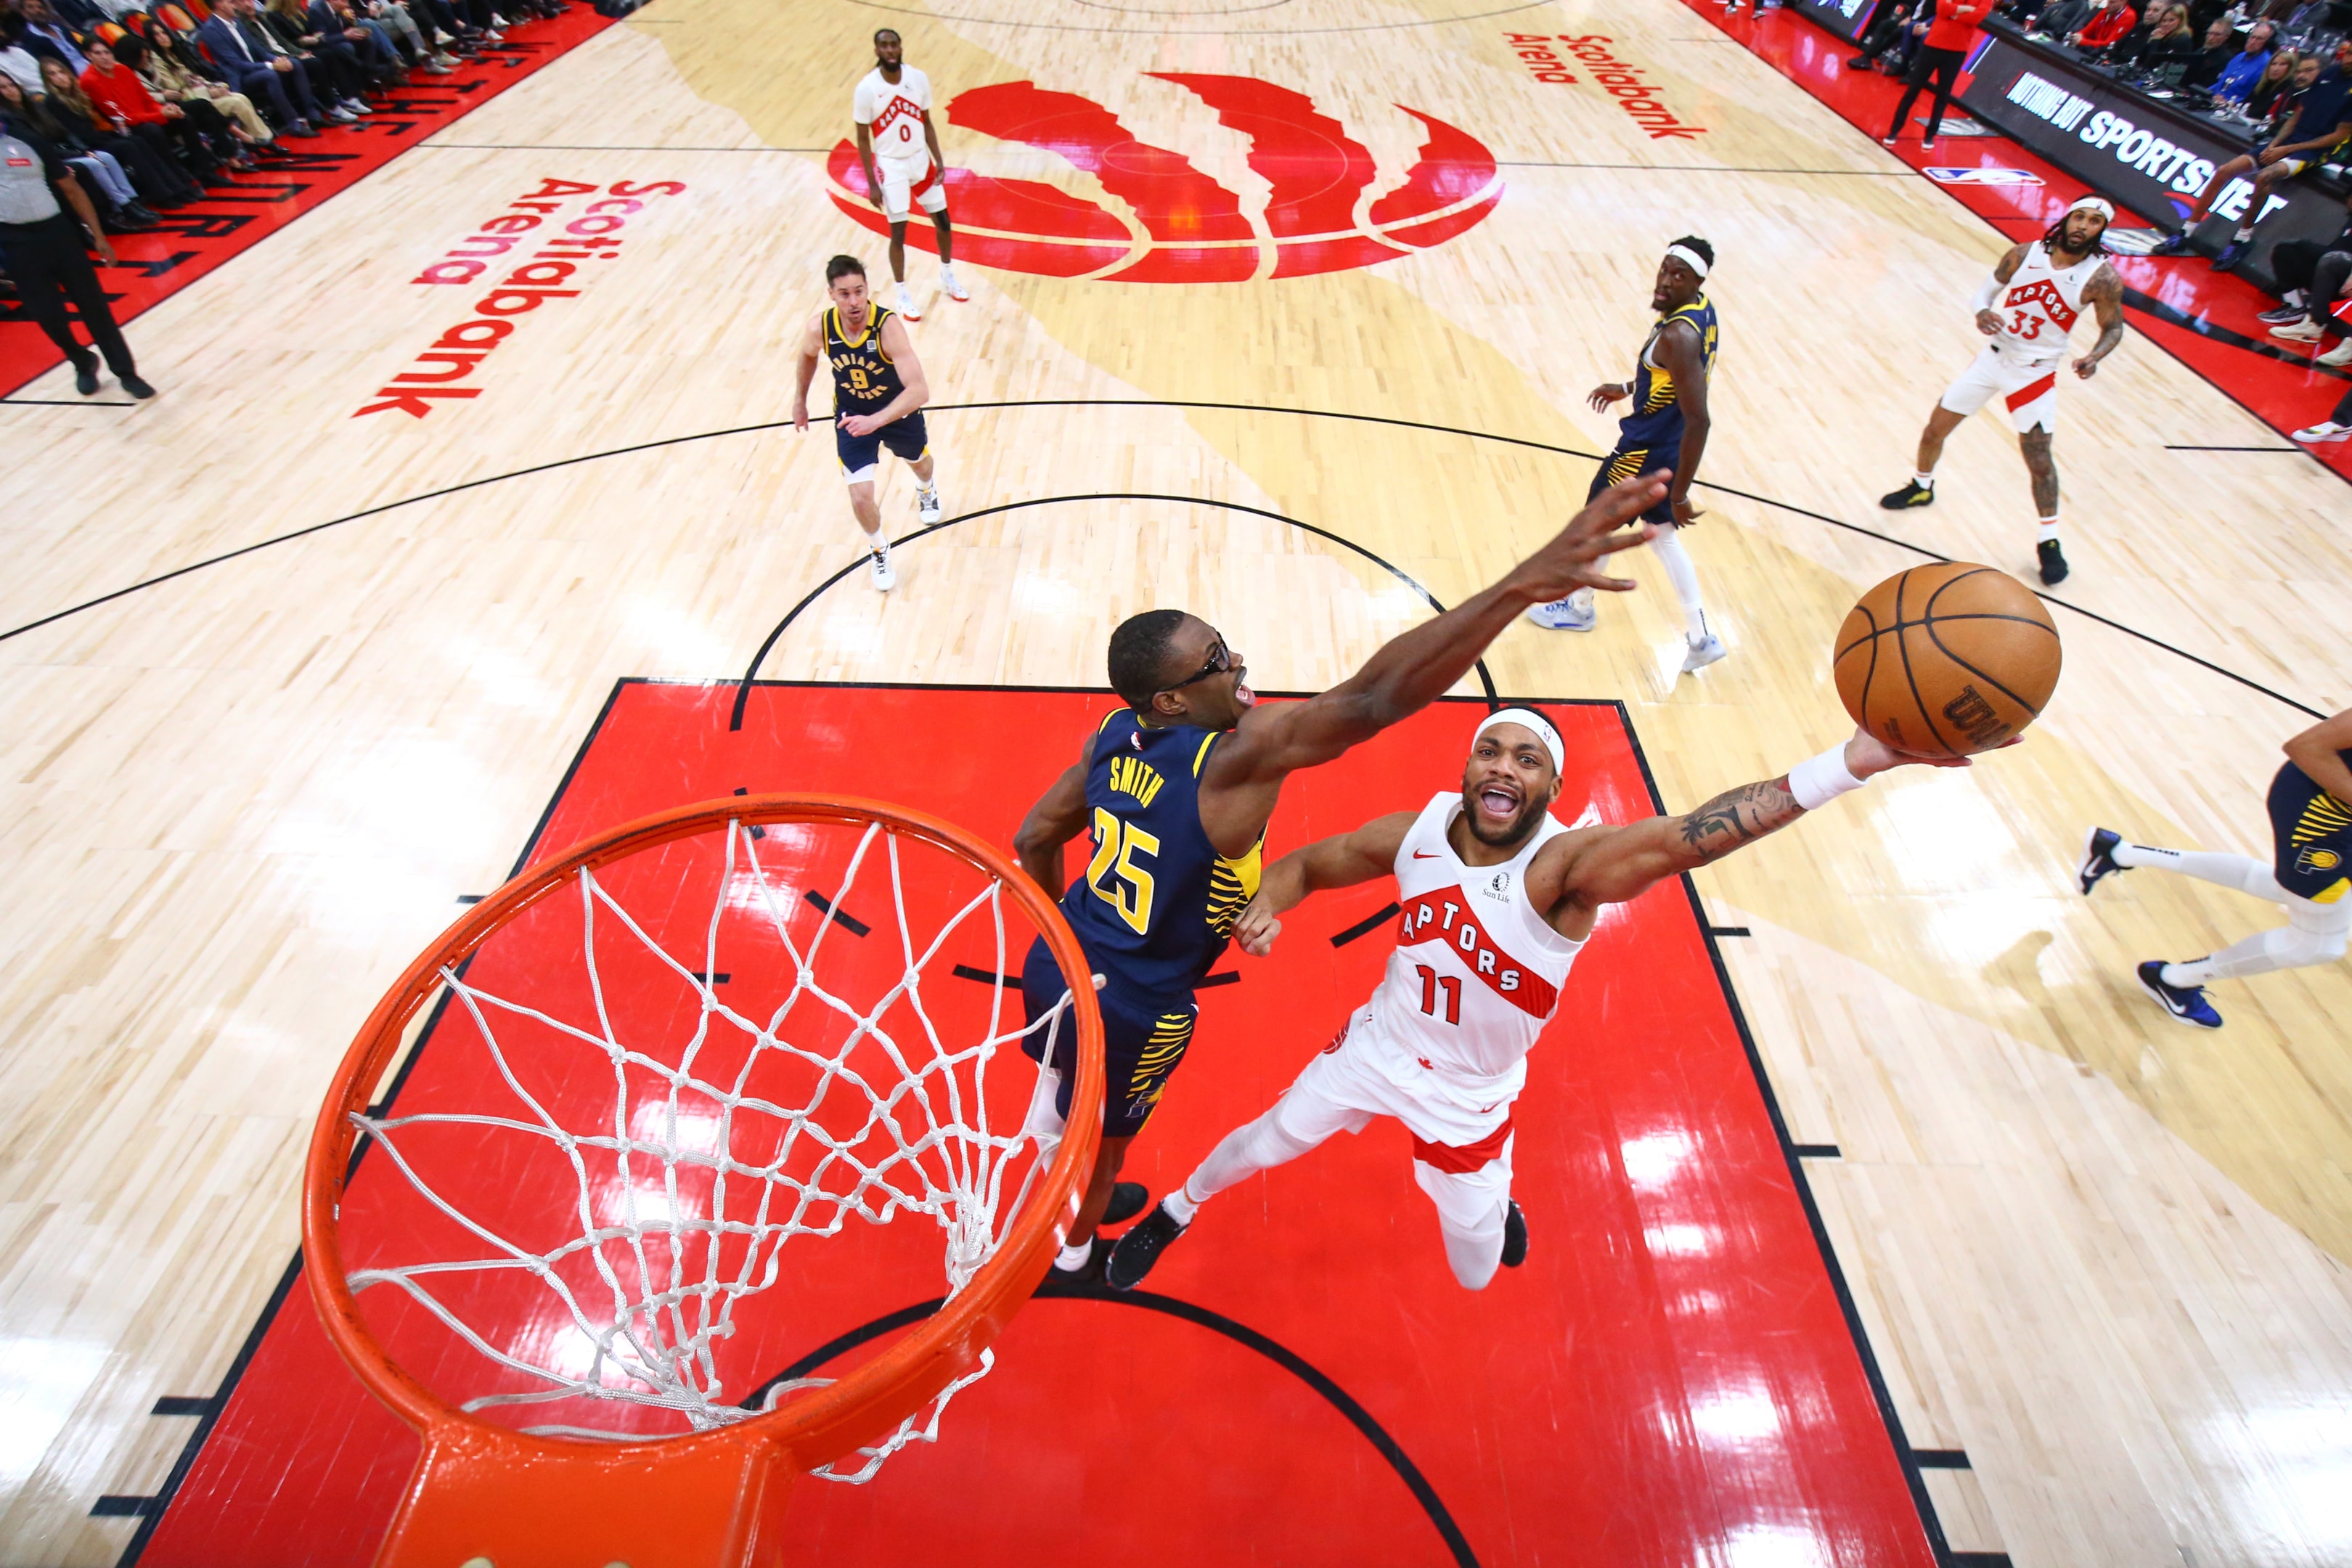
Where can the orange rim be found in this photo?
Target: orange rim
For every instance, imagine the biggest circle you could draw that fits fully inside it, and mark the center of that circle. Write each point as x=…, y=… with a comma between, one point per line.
x=822, y=1424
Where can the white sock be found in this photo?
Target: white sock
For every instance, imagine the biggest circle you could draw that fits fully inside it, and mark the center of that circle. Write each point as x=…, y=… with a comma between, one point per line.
x=1180, y=1205
x=878, y=544
x=1581, y=599
x=1925, y=481
x=1075, y=1256
x=2046, y=531
x=2240, y=873
x=2291, y=299
x=1675, y=556
x=1259, y=1146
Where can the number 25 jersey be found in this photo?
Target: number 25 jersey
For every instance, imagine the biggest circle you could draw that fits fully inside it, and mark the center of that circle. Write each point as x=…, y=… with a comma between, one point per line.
x=2038, y=306
x=1475, y=976
x=1157, y=903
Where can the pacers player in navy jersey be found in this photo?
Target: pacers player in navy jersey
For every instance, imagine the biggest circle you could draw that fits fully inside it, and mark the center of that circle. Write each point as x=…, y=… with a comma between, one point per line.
x=1176, y=789
x=2310, y=873
x=878, y=392
x=1666, y=429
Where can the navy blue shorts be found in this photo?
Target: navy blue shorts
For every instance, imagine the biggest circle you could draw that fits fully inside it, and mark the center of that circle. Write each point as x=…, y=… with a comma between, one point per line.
x=2311, y=838
x=860, y=455
x=1142, y=1042
x=1623, y=464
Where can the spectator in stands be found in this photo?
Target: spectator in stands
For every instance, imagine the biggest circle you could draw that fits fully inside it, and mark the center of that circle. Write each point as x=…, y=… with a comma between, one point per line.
x=2311, y=276
x=16, y=61
x=2277, y=81
x=160, y=181
x=1944, y=34
x=258, y=66
x=2164, y=42
x=101, y=177
x=41, y=245
x=368, y=42
x=399, y=28
x=2110, y=20
x=173, y=79
x=2313, y=121
x=2338, y=425
x=2239, y=77
x=337, y=74
x=116, y=92
x=2221, y=48
x=1880, y=42
x=45, y=37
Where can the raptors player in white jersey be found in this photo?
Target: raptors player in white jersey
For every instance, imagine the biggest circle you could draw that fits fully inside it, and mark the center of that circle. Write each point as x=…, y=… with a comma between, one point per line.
x=2027, y=307
x=892, y=108
x=1497, y=899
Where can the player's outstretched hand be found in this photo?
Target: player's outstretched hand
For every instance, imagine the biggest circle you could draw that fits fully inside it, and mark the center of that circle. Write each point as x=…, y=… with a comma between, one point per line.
x=1257, y=928
x=1571, y=561
x=1607, y=392
x=1866, y=754
x=800, y=415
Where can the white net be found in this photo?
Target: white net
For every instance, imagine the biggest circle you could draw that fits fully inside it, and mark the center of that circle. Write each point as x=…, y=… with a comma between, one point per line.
x=700, y=1139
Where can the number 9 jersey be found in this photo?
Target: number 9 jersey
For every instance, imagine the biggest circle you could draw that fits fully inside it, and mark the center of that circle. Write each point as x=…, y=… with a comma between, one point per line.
x=1156, y=904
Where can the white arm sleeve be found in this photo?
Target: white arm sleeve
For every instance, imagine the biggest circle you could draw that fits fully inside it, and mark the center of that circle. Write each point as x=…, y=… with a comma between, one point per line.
x=1983, y=299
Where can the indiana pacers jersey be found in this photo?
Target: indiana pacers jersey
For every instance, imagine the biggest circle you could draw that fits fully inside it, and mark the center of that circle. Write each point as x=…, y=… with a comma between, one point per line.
x=863, y=379
x=2311, y=833
x=1655, y=422
x=1157, y=902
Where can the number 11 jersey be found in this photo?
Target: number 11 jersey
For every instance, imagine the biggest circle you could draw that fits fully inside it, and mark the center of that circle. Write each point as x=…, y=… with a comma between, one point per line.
x=1475, y=976
x=1157, y=903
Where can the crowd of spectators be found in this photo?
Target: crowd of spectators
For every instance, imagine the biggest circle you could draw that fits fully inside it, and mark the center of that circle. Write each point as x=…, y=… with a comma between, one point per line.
x=116, y=111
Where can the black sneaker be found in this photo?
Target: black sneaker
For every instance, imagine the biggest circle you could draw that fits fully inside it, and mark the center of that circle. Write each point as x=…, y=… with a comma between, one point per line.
x=2282, y=316
x=2098, y=858
x=86, y=374
x=2186, y=1004
x=135, y=387
x=1514, y=1237
x=1913, y=493
x=2171, y=244
x=2054, y=562
x=1127, y=1199
x=1139, y=1249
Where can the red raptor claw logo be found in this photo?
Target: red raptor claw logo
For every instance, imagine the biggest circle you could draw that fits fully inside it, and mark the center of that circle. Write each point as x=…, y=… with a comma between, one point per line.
x=1181, y=226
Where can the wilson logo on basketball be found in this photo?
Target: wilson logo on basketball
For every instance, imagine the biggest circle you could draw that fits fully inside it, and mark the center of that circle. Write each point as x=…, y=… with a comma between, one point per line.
x=1329, y=208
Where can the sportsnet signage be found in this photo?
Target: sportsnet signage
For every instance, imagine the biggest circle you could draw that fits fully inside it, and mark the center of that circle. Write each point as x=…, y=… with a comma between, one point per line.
x=1846, y=18
x=2119, y=143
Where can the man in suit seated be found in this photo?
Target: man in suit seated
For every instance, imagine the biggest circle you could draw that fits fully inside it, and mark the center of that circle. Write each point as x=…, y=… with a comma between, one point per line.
x=258, y=65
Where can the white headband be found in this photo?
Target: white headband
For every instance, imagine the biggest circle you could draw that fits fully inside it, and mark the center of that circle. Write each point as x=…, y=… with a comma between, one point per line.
x=2098, y=205
x=1688, y=257
x=1533, y=720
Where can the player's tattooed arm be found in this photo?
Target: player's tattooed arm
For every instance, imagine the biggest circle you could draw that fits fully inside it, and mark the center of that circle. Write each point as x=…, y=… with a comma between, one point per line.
x=2105, y=294
x=1059, y=816
x=1989, y=319
x=1342, y=861
x=1736, y=817
x=2315, y=752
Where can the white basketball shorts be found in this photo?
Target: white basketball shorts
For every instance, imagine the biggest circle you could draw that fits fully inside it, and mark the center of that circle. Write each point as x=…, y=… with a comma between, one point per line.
x=911, y=178
x=1339, y=1091
x=2027, y=388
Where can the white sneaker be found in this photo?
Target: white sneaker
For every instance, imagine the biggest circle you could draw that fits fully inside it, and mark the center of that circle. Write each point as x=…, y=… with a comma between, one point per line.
x=877, y=561
x=926, y=504
x=905, y=307
x=2326, y=430
x=1697, y=655
x=2336, y=357
x=1573, y=613
x=955, y=290
x=2304, y=331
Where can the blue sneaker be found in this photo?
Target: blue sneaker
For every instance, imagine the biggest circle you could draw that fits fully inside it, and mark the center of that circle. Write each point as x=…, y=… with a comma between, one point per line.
x=1574, y=614
x=2232, y=253
x=2098, y=858
x=2186, y=1004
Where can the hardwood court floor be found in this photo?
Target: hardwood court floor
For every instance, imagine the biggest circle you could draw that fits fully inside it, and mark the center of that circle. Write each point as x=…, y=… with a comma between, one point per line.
x=2100, y=1255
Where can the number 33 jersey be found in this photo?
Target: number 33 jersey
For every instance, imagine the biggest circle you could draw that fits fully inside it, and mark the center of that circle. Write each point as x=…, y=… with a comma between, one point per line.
x=2038, y=306
x=1475, y=976
x=1157, y=903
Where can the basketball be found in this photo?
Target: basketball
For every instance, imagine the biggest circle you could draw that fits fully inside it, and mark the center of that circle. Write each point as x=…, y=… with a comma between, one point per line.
x=1947, y=660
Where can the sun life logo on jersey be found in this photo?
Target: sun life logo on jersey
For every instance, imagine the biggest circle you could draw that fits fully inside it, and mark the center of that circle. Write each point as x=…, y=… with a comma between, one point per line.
x=1498, y=886
x=1330, y=206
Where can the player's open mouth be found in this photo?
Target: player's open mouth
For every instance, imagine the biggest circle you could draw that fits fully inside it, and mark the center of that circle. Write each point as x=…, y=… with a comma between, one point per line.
x=1243, y=695
x=1499, y=804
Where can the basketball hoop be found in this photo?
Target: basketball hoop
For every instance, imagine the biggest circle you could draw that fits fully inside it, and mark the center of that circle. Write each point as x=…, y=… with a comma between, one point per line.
x=562, y=1218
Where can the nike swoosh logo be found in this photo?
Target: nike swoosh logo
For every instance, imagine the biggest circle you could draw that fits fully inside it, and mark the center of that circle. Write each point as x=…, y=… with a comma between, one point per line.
x=1425, y=855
